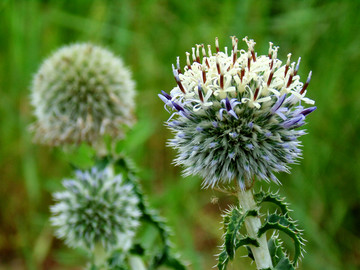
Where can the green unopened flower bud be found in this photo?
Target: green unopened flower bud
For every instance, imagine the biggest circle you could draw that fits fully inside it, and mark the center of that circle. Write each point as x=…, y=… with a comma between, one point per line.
x=81, y=93
x=96, y=209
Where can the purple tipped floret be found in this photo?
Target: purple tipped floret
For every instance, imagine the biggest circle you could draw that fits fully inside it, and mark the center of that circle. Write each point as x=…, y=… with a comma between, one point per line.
x=166, y=98
x=177, y=106
x=212, y=144
x=250, y=146
x=166, y=95
x=296, y=121
x=233, y=135
x=227, y=104
x=278, y=103
x=308, y=111
x=199, y=129
x=229, y=107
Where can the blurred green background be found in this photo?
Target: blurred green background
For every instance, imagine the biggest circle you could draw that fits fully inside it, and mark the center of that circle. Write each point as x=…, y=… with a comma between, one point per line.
x=324, y=190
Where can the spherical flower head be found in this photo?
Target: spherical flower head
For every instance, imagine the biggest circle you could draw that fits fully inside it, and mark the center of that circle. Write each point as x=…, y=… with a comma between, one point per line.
x=81, y=93
x=96, y=208
x=236, y=115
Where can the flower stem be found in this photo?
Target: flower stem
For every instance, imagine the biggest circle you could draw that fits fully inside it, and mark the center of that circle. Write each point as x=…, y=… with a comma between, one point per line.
x=261, y=254
x=99, y=256
x=136, y=263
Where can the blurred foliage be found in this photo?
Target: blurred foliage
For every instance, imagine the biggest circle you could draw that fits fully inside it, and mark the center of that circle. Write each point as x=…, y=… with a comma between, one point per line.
x=324, y=189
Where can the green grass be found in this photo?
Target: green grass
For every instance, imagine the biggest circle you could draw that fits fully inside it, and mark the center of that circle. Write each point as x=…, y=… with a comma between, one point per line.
x=324, y=189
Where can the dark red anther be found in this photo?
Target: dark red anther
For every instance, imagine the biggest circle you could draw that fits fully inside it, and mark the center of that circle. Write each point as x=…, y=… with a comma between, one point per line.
x=200, y=93
x=242, y=74
x=290, y=80
x=180, y=86
x=222, y=81
x=271, y=63
x=249, y=62
x=207, y=62
x=218, y=66
x=286, y=70
x=256, y=92
x=203, y=75
x=217, y=44
x=253, y=55
x=270, y=78
x=270, y=56
x=198, y=59
x=177, y=79
x=234, y=57
x=239, y=74
x=306, y=84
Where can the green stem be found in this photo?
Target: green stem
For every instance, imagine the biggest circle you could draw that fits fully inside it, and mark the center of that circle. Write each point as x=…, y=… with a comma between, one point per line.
x=99, y=256
x=261, y=254
x=136, y=263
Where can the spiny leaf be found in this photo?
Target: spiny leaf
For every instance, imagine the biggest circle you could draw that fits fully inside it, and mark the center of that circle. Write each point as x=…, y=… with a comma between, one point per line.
x=151, y=216
x=233, y=221
x=275, y=250
x=273, y=198
x=246, y=241
x=233, y=228
x=224, y=258
x=174, y=263
x=284, y=264
x=287, y=226
x=226, y=220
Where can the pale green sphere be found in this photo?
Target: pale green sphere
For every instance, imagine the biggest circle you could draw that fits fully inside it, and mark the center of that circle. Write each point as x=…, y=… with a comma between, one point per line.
x=96, y=208
x=81, y=93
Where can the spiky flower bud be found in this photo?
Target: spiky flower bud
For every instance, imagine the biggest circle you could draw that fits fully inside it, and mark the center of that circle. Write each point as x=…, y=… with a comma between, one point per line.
x=235, y=116
x=96, y=208
x=80, y=93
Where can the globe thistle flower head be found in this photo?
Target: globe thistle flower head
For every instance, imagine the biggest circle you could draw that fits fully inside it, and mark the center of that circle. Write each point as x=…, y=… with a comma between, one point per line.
x=236, y=115
x=96, y=208
x=80, y=93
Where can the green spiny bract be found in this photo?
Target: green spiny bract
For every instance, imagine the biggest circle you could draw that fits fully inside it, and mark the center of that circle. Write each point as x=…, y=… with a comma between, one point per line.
x=96, y=208
x=81, y=93
x=236, y=116
x=234, y=220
